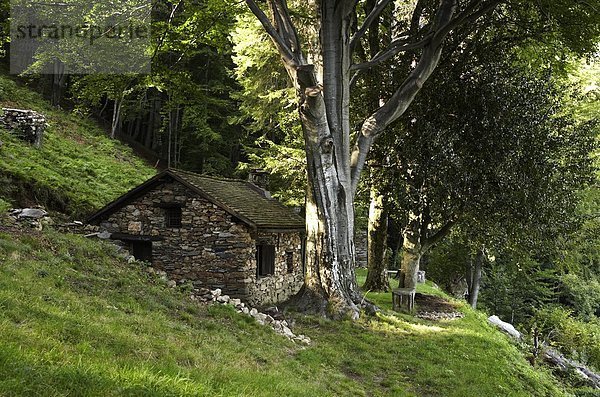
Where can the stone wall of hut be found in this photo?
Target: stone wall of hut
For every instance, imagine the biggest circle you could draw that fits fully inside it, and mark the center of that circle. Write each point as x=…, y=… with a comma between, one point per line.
x=211, y=249
x=285, y=282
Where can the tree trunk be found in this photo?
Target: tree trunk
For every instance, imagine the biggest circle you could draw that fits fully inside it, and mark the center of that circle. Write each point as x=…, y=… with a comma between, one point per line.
x=58, y=82
x=411, y=252
x=330, y=282
x=395, y=240
x=377, y=279
x=474, y=277
x=116, y=119
x=324, y=109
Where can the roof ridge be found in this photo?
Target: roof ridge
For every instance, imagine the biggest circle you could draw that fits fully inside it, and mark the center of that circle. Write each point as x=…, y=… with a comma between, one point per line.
x=253, y=186
x=217, y=178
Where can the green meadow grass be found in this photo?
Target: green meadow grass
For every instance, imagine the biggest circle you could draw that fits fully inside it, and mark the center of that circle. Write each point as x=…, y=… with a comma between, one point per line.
x=76, y=320
x=78, y=168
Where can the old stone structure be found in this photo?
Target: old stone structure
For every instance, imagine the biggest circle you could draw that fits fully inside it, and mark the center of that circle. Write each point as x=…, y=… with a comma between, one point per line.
x=26, y=124
x=216, y=233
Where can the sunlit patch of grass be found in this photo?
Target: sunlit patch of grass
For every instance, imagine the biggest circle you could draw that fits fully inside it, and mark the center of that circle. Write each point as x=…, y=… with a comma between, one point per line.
x=392, y=323
x=384, y=299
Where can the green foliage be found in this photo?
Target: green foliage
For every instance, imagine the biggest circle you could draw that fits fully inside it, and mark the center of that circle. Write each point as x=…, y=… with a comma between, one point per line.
x=268, y=110
x=447, y=264
x=582, y=295
x=286, y=164
x=4, y=205
x=107, y=51
x=4, y=24
x=515, y=285
x=577, y=339
x=78, y=169
x=586, y=76
x=496, y=152
x=563, y=19
x=181, y=111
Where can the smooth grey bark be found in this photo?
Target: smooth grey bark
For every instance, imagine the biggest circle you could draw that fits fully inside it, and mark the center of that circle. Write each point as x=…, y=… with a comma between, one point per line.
x=116, y=118
x=333, y=171
x=377, y=279
x=474, y=277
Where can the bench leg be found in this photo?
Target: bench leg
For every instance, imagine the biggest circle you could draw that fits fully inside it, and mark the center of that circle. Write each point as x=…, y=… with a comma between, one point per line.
x=404, y=301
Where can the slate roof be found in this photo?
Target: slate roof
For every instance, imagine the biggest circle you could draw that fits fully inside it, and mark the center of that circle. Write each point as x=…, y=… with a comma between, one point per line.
x=241, y=199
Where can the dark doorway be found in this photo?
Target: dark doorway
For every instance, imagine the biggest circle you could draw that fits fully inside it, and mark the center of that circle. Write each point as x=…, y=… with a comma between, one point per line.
x=265, y=258
x=142, y=250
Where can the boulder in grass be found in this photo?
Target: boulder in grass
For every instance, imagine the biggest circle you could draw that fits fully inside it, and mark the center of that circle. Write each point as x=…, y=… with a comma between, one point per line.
x=505, y=327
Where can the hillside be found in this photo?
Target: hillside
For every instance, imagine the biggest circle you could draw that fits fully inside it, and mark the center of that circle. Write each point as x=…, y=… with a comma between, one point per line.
x=76, y=319
x=78, y=168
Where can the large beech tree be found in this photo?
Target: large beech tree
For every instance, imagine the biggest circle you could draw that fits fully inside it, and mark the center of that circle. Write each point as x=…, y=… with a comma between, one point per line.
x=323, y=79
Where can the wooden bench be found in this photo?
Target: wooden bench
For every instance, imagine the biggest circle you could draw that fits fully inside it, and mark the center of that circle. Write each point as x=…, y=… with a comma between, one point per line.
x=403, y=298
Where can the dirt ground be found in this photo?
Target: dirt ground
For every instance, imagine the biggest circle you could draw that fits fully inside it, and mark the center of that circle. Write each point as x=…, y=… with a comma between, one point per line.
x=430, y=303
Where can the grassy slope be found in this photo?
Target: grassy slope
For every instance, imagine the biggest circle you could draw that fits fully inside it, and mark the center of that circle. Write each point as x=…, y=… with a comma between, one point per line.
x=77, y=320
x=78, y=169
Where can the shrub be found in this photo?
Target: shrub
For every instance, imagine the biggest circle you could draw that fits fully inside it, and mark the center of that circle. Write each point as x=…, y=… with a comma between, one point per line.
x=579, y=340
x=582, y=295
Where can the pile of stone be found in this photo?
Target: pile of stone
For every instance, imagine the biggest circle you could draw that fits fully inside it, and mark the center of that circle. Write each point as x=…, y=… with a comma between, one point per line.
x=27, y=124
x=36, y=218
x=273, y=318
x=437, y=316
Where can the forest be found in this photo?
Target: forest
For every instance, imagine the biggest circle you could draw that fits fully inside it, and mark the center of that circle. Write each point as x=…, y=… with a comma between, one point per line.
x=460, y=138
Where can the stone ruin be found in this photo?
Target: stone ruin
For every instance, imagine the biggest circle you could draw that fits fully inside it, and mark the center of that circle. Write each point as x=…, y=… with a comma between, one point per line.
x=35, y=218
x=28, y=125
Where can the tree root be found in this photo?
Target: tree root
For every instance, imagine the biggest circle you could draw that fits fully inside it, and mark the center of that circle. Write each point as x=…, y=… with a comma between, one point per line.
x=312, y=302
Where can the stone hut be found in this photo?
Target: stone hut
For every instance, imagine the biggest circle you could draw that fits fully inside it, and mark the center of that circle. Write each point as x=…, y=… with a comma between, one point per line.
x=214, y=232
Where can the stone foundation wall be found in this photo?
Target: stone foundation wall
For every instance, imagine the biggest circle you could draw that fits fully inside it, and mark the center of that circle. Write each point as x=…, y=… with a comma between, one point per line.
x=211, y=249
x=27, y=124
x=281, y=285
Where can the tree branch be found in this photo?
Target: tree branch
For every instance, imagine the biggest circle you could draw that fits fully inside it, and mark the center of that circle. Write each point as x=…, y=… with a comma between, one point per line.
x=374, y=125
x=416, y=16
x=469, y=14
x=439, y=235
x=359, y=158
x=375, y=12
x=284, y=24
x=396, y=46
x=444, y=22
x=285, y=51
